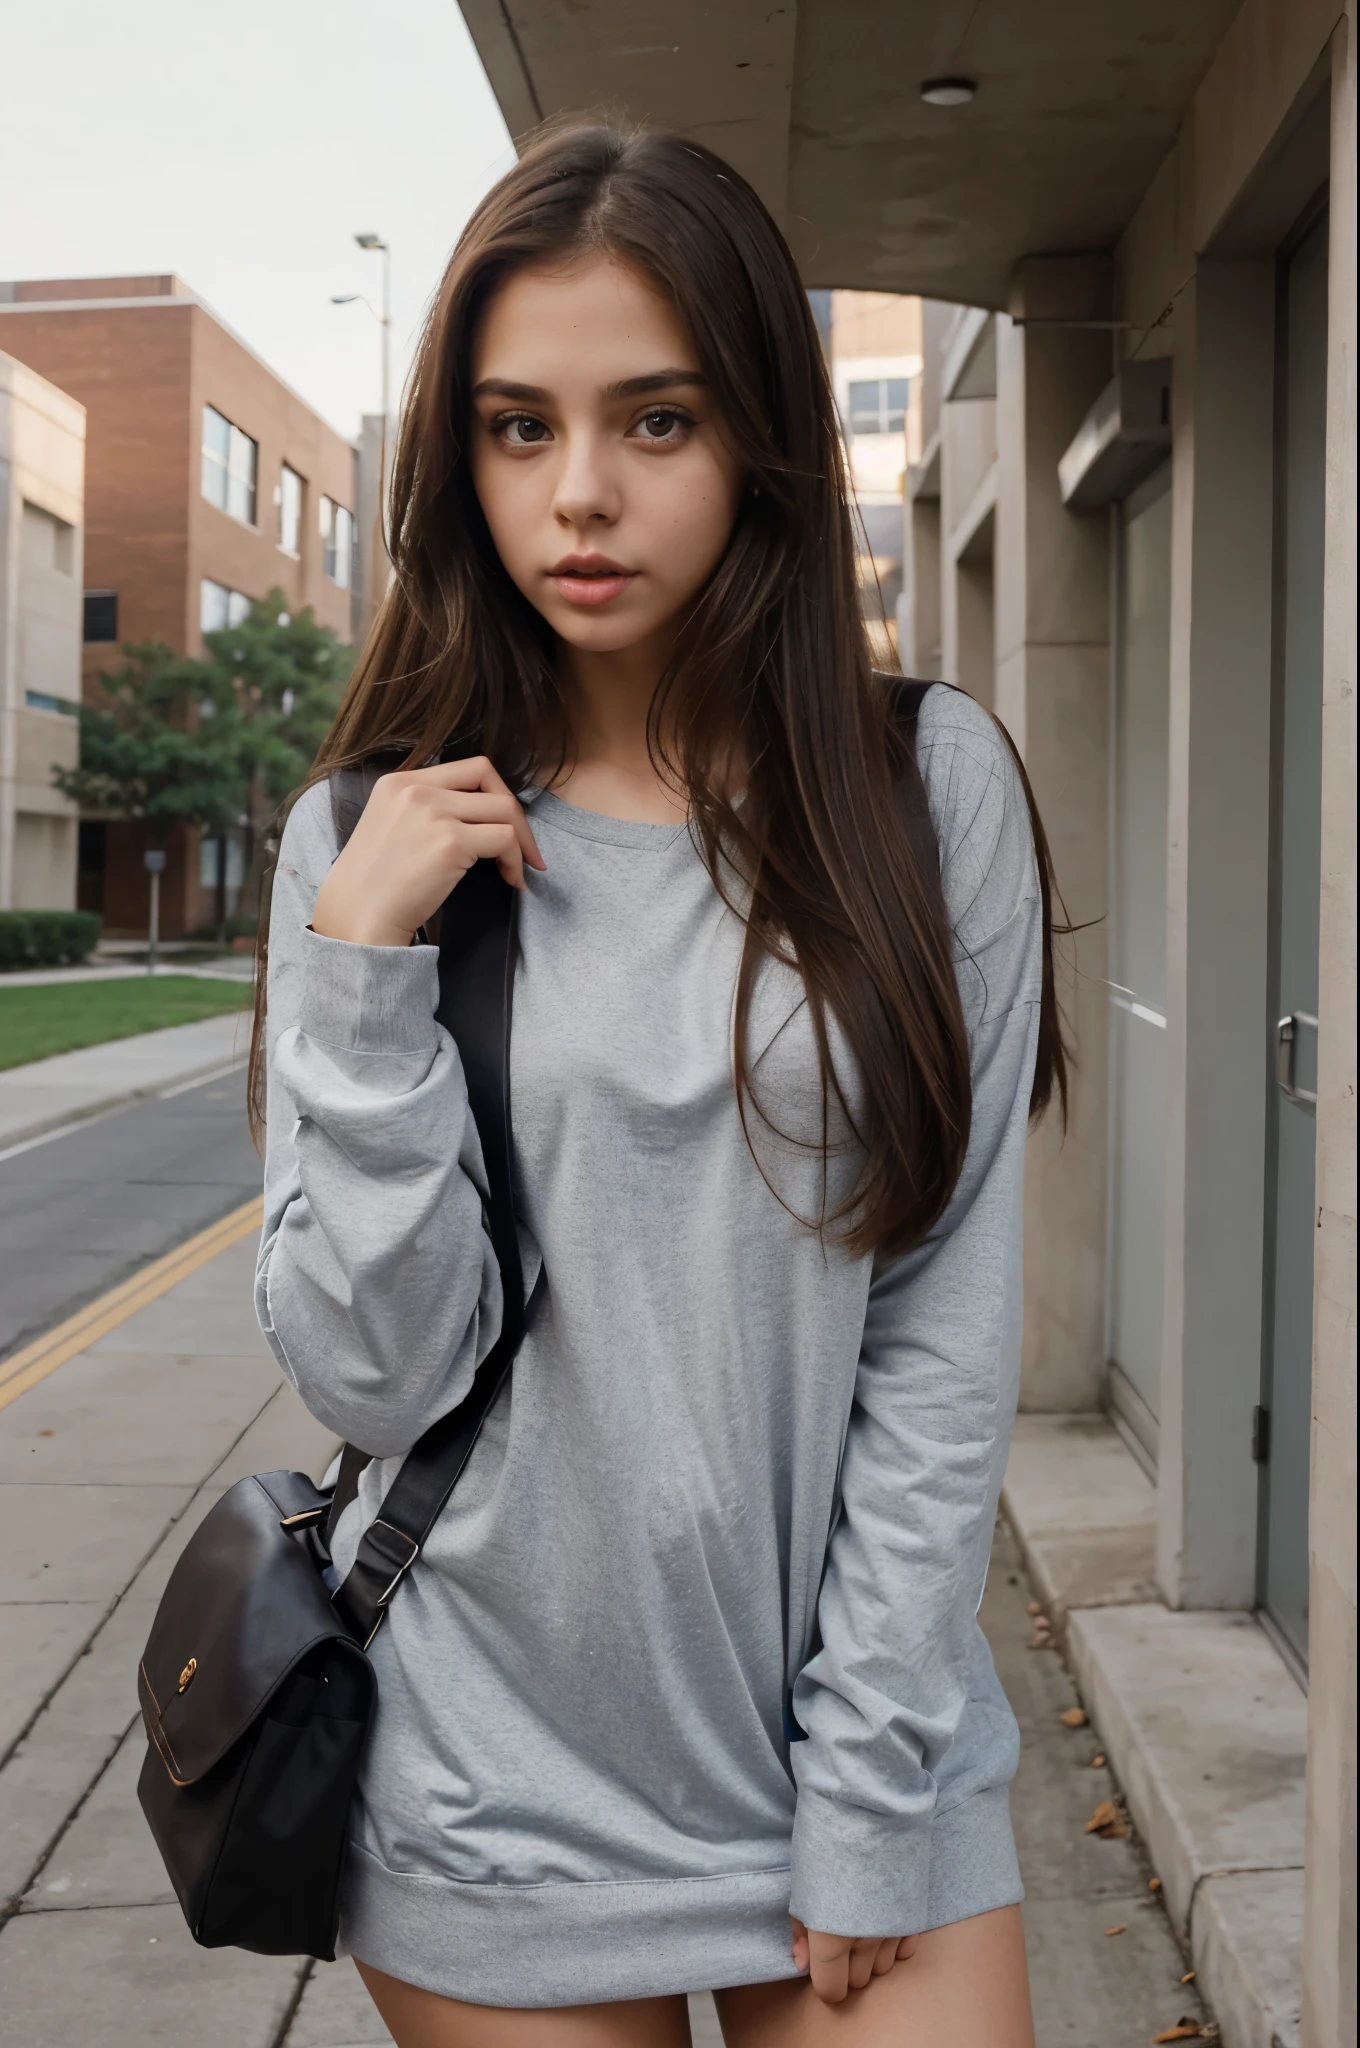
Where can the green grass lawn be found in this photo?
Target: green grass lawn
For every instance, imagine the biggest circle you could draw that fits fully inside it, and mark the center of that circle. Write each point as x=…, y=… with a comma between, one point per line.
x=60, y=1016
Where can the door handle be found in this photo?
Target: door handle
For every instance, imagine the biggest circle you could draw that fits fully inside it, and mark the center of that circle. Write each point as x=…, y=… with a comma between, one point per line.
x=1286, y=1038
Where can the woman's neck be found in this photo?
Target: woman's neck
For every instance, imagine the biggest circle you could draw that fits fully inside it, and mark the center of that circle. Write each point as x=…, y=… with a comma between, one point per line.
x=609, y=700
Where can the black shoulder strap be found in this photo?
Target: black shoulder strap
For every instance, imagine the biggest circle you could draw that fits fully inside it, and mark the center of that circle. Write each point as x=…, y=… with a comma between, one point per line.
x=477, y=950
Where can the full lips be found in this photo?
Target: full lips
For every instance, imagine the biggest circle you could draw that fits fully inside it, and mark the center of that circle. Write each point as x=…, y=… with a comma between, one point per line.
x=587, y=590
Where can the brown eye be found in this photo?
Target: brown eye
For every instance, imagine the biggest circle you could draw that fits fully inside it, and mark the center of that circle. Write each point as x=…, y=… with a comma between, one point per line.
x=661, y=423
x=522, y=430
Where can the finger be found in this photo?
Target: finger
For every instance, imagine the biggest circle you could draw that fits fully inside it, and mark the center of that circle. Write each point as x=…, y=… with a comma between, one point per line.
x=488, y=796
x=830, y=1977
x=474, y=771
x=862, y=1959
x=490, y=842
x=800, y=1947
x=829, y=1966
x=884, y=1957
x=907, y=1946
x=485, y=807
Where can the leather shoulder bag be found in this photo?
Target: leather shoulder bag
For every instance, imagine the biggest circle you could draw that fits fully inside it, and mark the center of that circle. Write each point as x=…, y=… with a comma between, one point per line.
x=254, y=1687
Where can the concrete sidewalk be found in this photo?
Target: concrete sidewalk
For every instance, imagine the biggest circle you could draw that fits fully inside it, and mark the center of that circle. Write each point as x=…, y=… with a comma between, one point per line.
x=47, y=1094
x=1204, y=1725
x=106, y=1466
x=218, y=967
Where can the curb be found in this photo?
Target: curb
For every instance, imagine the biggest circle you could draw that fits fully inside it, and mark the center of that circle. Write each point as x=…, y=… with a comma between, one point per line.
x=123, y=1098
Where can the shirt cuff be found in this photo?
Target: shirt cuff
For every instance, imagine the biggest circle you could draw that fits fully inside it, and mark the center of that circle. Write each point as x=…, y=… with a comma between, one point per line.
x=856, y=1871
x=373, y=999
x=863, y=1873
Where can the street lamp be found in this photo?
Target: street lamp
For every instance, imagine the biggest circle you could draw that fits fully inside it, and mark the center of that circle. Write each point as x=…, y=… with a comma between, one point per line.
x=384, y=319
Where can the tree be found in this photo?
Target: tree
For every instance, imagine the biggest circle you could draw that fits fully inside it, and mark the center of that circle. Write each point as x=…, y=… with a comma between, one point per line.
x=287, y=675
x=166, y=747
x=217, y=743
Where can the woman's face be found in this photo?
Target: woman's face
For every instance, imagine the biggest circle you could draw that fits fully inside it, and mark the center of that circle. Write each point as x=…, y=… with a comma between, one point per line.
x=597, y=454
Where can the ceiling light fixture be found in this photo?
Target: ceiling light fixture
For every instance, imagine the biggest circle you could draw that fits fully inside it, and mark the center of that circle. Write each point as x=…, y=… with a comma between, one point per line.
x=948, y=92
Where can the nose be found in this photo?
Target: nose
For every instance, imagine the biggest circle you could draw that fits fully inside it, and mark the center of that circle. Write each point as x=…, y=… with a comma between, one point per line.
x=587, y=492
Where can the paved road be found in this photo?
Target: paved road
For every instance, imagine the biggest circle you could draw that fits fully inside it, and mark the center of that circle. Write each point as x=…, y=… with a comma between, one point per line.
x=81, y=1212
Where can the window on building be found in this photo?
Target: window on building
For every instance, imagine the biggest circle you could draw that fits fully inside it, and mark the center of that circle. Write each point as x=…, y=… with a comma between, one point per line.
x=231, y=462
x=101, y=615
x=337, y=542
x=218, y=607
x=221, y=861
x=878, y=405
x=47, y=542
x=43, y=700
x=290, y=510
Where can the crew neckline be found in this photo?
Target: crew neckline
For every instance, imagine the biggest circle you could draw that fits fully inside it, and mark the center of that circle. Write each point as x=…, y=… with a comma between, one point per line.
x=636, y=832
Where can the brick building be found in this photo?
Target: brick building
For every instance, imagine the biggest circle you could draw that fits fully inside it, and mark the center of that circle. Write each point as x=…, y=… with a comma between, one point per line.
x=208, y=482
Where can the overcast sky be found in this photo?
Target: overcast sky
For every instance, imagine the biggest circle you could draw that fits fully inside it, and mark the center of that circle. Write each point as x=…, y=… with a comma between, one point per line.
x=242, y=147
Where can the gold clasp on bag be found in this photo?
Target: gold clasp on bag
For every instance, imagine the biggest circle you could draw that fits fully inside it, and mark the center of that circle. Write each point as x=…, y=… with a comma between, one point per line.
x=186, y=1677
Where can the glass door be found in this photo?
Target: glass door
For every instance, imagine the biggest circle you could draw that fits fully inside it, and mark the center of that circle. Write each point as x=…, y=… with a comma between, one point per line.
x=1141, y=739
x=1284, y=1421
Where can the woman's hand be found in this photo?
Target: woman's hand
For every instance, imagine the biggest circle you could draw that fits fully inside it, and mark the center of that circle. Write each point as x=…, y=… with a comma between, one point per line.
x=841, y=1963
x=420, y=832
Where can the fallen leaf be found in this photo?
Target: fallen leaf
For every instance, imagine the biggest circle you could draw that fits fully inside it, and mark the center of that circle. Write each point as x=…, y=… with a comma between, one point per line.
x=1122, y=1928
x=1098, y=1760
x=1154, y=1884
x=1075, y=1717
x=1183, y=2032
x=1033, y=1607
x=1189, y=1977
x=1107, y=1821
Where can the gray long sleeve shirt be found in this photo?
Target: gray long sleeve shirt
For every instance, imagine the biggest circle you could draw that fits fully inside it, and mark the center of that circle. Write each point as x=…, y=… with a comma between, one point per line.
x=734, y=1461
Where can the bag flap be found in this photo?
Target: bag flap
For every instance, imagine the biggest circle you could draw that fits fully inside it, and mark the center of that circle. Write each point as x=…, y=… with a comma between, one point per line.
x=244, y=1604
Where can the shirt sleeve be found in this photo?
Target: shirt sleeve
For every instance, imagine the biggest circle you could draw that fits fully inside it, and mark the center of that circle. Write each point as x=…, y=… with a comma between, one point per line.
x=377, y=1287
x=887, y=1690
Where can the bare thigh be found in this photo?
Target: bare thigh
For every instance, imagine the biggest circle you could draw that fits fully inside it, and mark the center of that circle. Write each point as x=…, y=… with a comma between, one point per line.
x=966, y=1985
x=421, y=2019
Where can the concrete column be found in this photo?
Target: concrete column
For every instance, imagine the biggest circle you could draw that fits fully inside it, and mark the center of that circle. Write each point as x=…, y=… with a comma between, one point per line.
x=1217, y=894
x=1052, y=691
x=967, y=521
x=919, y=611
x=1329, y=1990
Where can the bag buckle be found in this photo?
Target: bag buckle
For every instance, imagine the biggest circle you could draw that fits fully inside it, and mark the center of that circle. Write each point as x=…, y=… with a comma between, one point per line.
x=395, y=1549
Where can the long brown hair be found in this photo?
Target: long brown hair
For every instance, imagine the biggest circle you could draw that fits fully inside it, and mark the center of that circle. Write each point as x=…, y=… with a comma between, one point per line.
x=771, y=667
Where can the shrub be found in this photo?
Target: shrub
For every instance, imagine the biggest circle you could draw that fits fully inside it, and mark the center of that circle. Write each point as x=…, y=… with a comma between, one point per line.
x=47, y=938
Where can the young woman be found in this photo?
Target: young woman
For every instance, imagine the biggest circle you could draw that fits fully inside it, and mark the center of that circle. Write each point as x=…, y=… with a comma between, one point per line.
x=687, y=1689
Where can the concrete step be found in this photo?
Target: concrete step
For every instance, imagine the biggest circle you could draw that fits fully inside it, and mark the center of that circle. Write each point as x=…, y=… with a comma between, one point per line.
x=1207, y=1730
x=1203, y=1723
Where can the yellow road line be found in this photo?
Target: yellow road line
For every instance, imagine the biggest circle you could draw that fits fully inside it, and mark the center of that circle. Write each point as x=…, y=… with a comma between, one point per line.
x=97, y=1318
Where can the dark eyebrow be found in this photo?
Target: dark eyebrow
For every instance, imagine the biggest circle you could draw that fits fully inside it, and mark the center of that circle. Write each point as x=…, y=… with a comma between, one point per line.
x=631, y=387
x=660, y=380
x=497, y=387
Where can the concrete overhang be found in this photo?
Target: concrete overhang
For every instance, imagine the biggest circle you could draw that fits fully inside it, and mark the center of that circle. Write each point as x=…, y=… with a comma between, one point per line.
x=1123, y=437
x=819, y=105
x=969, y=369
